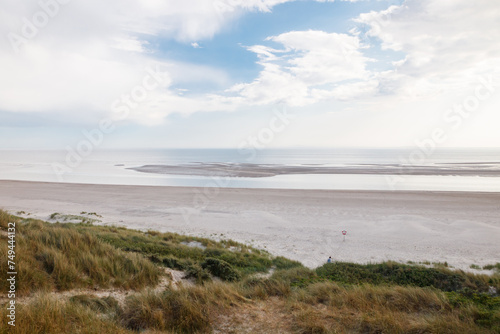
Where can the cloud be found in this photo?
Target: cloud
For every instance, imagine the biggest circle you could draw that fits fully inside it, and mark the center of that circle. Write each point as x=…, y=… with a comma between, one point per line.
x=322, y=58
x=447, y=44
x=306, y=67
x=446, y=47
x=81, y=56
x=77, y=57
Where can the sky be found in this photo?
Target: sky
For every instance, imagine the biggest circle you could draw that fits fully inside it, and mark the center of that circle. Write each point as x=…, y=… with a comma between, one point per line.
x=263, y=73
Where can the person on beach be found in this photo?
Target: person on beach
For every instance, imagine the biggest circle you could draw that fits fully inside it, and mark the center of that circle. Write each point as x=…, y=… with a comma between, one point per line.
x=329, y=260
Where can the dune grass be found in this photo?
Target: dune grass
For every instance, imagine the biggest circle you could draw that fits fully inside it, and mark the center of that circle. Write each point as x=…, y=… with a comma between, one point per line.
x=185, y=310
x=391, y=273
x=334, y=298
x=58, y=257
x=49, y=314
x=398, y=309
x=495, y=267
x=174, y=250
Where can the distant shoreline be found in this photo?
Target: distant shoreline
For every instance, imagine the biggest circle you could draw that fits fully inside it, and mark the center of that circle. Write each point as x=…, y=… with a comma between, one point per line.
x=194, y=188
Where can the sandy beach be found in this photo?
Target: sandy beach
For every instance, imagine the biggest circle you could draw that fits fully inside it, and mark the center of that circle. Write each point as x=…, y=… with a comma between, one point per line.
x=306, y=225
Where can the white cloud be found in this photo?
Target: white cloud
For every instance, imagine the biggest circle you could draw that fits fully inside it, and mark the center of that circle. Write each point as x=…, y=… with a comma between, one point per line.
x=448, y=44
x=322, y=58
x=130, y=44
x=80, y=56
x=308, y=67
x=91, y=52
x=274, y=85
x=77, y=57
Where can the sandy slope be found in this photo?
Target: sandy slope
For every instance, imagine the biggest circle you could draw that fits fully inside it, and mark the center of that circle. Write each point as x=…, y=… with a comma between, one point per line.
x=460, y=228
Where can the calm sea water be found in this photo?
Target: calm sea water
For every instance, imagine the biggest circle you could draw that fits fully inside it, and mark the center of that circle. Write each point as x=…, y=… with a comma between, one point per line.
x=110, y=167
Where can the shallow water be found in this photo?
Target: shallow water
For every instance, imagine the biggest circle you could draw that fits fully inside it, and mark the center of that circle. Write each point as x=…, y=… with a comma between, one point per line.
x=110, y=167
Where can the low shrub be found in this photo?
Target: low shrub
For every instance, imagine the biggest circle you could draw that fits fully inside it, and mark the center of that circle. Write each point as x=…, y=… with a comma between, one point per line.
x=221, y=269
x=406, y=275
x=200, y=274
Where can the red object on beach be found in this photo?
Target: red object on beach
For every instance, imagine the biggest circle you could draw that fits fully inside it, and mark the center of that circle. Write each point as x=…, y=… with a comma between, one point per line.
x=344, y=232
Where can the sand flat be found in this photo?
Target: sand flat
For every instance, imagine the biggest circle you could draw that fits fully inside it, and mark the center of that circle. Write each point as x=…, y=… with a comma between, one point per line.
x=259, y=170
x=461, y=228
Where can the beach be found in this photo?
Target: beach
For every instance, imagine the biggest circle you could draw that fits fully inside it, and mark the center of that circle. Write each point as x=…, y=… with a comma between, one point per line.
x=460, y=228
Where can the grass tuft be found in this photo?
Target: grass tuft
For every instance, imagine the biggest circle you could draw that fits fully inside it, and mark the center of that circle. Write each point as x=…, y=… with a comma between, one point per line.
x=47, y=314
x=186, y=310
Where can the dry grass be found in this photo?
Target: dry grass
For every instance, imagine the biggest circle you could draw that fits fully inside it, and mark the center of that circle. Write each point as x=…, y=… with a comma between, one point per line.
x=366, y=297
x=5, y=219
x=219, y=308
x=47, y=314
x=57, y=257
x=185, y=310
x=328, y=307
x=263, y=316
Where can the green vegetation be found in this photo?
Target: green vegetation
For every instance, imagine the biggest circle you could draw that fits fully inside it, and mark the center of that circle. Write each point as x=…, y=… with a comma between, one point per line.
x=495, y=267
x=232, y=288
x=90, y=214
x=200, y=274
x=172, y=250
x=221, y=269
x=391, y=273
x=75, y=218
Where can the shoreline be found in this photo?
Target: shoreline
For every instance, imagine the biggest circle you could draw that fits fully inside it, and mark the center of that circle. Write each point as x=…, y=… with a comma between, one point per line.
x=193, y=188
x=460, y=228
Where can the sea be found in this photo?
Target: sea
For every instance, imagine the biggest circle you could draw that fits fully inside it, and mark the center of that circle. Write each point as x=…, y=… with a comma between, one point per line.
x=112, y=167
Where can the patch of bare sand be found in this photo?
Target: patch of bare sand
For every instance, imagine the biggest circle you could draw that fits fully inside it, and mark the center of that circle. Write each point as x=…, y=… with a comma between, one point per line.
x=267, y=316
x=178, y=278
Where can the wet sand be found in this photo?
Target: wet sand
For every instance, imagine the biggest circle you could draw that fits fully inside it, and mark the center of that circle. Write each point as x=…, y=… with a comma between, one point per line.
x=259, y=170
